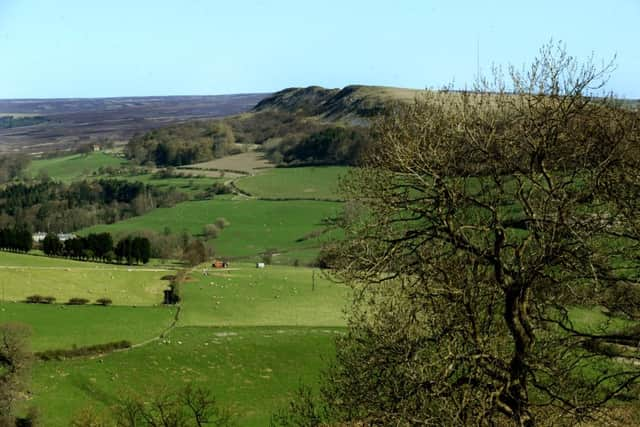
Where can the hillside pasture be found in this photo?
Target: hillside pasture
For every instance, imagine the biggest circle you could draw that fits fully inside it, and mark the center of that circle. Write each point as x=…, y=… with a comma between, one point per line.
x=84, y=166
x=192, y=185
x=247, y=163
x=294, y=183
x=252, y=371
x=273, y=296
x=25, y=275
x=74, y=167
x=255, y=225
x=62, y=327
x=236, y=336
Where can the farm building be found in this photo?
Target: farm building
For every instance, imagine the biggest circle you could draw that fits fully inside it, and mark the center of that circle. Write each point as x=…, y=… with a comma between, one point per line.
x=39, y=236
x=219, y=264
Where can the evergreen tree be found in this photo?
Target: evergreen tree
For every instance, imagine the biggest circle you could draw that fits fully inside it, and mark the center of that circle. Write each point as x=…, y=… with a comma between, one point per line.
x=51, y=245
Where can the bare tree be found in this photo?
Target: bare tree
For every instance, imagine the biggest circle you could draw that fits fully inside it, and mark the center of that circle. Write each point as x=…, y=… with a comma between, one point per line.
x=190, y=406
x=15, y=359
x=496, y=229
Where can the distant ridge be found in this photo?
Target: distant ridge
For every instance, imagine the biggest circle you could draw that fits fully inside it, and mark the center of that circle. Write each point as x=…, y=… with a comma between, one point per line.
x=74, y=121
x=335, y=104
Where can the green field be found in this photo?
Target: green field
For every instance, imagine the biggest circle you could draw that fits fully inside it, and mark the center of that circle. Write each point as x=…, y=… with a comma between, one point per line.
x=191, y=185
x=274, y=296
x=237, y=336
x=302, y=182
x=24, y=275
x=252, y=371
x=84, y=166
x=61, y=327
x=250, y=335
x=256, y=225
x=74, y=167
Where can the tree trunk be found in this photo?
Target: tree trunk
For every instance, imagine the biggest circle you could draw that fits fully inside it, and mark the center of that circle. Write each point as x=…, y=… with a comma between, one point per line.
x=516, y=314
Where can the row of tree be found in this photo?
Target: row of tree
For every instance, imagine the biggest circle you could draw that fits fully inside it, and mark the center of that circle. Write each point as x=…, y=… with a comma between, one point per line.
x=78, y=194
x=99, y=246
x=54, y=206
x=15, y=239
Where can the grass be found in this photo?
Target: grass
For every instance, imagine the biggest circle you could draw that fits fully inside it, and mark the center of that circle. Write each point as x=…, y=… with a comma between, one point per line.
x=24, y=275
x=62, y=327
x=74, y=167
x=303, y=182
x=191, y=185
x=250, y=335
x=273, y=296
x=245, y=163
x=79, y=166
x=256, y=225
x=253, y=371
x=236, y=337
x=594, y=320
x=388, y=93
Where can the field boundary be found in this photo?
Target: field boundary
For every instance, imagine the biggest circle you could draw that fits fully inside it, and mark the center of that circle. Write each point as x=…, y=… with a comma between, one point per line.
x=166, y=330
x=245, y=193
x=236, y=171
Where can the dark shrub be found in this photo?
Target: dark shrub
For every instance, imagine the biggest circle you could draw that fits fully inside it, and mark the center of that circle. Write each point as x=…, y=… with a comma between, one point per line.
x=77, y=301
x=91, y=350
x=104, y=301
x=34, y=299
x=48, y=300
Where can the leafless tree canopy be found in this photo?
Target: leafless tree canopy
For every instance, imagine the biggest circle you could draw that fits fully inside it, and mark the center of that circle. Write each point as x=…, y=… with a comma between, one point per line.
x=497, y=241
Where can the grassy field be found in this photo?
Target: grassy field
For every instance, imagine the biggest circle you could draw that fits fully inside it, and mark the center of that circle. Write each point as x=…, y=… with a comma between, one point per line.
x=250, y=335
x=24, y=275
x=62, y=327
x=304, y=183
x=256, y=225
x=245, y=163
x=237, y=336
x=273, y=296
x=252, y=371
x=191, y=185
x=77, y=166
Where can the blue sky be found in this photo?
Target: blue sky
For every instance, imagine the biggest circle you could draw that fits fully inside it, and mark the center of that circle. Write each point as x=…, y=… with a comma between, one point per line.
x=91, y=48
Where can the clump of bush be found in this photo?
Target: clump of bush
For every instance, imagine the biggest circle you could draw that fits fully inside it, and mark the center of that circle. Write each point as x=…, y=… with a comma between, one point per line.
x=222, y=223
x=39, y=299
x=90, y=350
x=211, y=231
x=77, y=301
x=216, y=189
x=104, y=301
x=34, y=299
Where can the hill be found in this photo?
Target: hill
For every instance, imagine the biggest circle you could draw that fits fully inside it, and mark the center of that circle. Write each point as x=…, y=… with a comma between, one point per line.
x=296, y=126
x=355, y=101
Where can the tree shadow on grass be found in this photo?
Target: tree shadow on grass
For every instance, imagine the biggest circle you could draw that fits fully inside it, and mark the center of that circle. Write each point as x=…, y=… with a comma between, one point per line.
x=93, y=391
